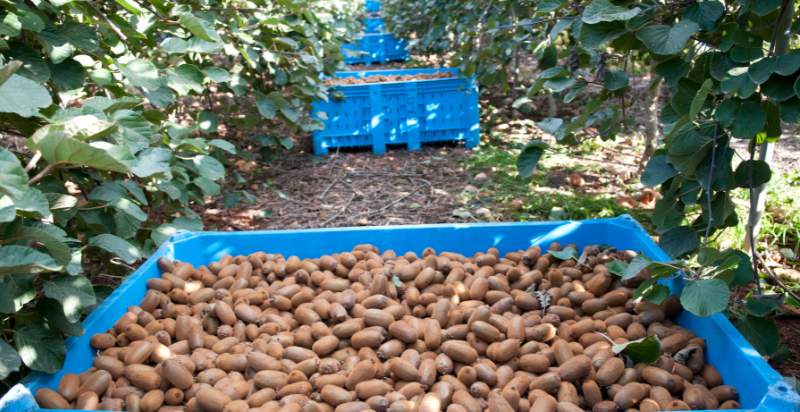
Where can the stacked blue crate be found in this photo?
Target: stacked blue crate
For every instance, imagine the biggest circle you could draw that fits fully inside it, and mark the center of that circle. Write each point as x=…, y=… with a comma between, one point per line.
x=374, y=25
x=398, y=113
x=372, y=6
x=375, y=46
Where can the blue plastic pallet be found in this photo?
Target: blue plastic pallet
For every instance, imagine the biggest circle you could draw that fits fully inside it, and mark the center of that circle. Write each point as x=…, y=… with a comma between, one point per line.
x=760, y=387
x=372, y=6
x=374, y=25
x=375, y=48
x=407, y=113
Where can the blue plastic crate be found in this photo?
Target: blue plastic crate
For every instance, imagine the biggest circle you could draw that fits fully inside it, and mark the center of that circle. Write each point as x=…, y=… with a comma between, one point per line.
x=372, y=6
x=374, y=48
x=408, y=113
x=374, y=25
x=760, y=387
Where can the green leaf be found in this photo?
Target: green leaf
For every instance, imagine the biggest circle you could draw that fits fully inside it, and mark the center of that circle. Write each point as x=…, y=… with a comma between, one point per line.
x=175, y=45
x=705, y=13
x=790, y=109
x=217, y=74
x=700, y=99
x=761, y=333
x=57, y=147
x=152, y=161
x=750, y=119
x=52, y=237
x=85, y=127
x=10, y=25
x=672, y=70
x=116, y=246
x=114, y=195
x=13, y=178
x=658, y=171
x=34, y=66
x=761, y=173
x=663, y=39
x=74, y=292
x=7, y=210
x=163, y=232
x=652, y=292
x=567, y=253
x=265, y=106
x=286, y=142
x=130, y=6
x=725, y=112
x=705, y=297
x=760, y=71
x=764, y=7
x=208, y=186
x=207, y=121
x=200, y=28
x=779, y=88
x=546, y=6
x=9, y=359
x=635, y=266
x=797, y=87
x=763, y=305
x=51, y=309
x=185, y=78
x=209, y=167
x=15, y=291
x=287, y=42
x=788, y=63
x=23, y=96
x=595, y=35
x=738, y=82
x=68, y=75
x=41, y=349
x=230, y=148
x=688, y=142
x=603, y=11
x=679, y=241
x=103, y=77
x=142, y=73
x=23, y=259
x=644, y=350
x=529, y=158
x=614, y=80
x=617, y=267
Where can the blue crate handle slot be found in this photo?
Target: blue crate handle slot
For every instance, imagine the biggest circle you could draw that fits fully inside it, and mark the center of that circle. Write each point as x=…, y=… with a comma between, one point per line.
x=412, y=116
x=376, y=121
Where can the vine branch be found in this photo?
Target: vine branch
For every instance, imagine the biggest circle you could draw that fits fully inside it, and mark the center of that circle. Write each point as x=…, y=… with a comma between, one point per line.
x=44, y=172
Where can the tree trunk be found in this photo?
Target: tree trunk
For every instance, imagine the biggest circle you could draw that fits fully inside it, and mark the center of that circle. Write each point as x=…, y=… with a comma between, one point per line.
x=651, y=131
x=758, y=195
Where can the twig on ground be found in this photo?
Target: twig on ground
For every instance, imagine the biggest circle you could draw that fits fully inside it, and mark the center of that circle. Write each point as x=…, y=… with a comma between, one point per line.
x=328, y=188
x=339, y=212
x=386, y=206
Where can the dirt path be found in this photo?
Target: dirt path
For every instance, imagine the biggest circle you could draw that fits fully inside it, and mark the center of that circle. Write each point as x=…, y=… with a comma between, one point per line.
x=350, y=189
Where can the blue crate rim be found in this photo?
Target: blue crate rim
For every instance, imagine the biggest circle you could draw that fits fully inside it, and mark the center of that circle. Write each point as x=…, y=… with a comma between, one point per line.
x=401, y=82
x=779, y=394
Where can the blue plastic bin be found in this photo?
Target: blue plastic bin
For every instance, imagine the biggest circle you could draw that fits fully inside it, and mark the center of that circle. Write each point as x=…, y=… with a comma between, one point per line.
x=374, y=25
x=408, y=113
x=372, y=6
x=760, y=387
x=375, y=48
